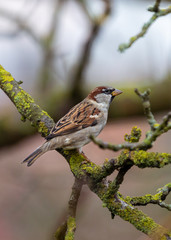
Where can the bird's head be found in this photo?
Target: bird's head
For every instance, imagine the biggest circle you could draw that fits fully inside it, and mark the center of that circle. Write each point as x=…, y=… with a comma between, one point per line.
x=104, y=94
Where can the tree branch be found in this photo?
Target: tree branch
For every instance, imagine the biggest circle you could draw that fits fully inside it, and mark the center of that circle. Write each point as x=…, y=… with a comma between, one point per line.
x=132, y=140
x=158, y=198
x=113, y=186
x=67, y=229
x=121, y=207
x=155, y=8
x=147, y=108
x=25, y=104
x=86, y=171
x=158, y=13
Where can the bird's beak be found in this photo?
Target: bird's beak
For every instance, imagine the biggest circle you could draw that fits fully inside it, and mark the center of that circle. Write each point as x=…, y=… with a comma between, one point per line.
x=116, y=92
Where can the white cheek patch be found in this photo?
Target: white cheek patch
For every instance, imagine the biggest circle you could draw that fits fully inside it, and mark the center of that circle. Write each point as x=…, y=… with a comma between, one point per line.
x=103, y=99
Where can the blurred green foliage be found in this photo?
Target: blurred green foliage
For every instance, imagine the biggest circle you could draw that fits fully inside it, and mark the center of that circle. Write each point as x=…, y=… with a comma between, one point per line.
x=11, y=132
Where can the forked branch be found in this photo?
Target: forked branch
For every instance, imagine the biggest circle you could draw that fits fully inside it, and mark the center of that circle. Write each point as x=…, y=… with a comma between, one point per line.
x=87, y=172
x=158, y=198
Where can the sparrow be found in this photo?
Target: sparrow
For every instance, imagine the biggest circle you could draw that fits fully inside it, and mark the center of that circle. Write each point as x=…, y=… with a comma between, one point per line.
x=84, y=120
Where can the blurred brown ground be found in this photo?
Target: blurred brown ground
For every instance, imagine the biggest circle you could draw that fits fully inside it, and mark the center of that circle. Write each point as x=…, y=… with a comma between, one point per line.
x=34, y=200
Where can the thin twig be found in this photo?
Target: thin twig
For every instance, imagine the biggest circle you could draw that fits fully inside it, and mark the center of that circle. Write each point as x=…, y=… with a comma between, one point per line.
x=158, y=198
x=155, y=131
x=22, y=26
x=155, y=8
x=146, y=26
x=147, y=106
x=96, y=24
x=75, y=194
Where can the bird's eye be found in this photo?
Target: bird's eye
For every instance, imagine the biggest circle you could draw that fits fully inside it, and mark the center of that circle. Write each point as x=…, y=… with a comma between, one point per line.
x=108, y=91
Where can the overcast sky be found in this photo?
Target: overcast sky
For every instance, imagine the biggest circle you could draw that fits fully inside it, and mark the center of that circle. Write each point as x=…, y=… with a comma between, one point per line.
x=148, y=58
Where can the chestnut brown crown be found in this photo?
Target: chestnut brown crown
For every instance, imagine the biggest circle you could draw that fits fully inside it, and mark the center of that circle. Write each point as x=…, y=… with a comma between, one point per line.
x=104, y=90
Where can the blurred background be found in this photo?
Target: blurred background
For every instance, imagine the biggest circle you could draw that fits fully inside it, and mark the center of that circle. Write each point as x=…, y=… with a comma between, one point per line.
x=62, y=49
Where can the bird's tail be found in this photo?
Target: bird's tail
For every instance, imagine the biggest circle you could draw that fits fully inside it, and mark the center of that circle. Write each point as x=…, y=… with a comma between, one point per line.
x=33, y=156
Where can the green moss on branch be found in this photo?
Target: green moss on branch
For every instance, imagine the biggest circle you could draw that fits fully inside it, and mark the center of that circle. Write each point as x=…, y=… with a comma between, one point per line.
x=25, y=103
x=134, y=136
x=158, y=198
x=61, y=231
x=117, y=205
x=71, y=227
x=85, y=170
x=144, y=159
x=88, y=172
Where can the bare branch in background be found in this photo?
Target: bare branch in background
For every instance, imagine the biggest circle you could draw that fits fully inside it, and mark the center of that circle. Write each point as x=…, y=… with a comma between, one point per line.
x=46, y=73
x=77, y=77
x=46, y=76
x=21, y=25
x=46, y=43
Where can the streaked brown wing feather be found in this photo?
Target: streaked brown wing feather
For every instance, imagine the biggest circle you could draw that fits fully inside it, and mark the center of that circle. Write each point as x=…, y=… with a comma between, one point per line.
x=76, y=119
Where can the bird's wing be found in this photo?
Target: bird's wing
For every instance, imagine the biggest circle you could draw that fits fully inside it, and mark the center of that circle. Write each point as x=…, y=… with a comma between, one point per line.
x=81, y=116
